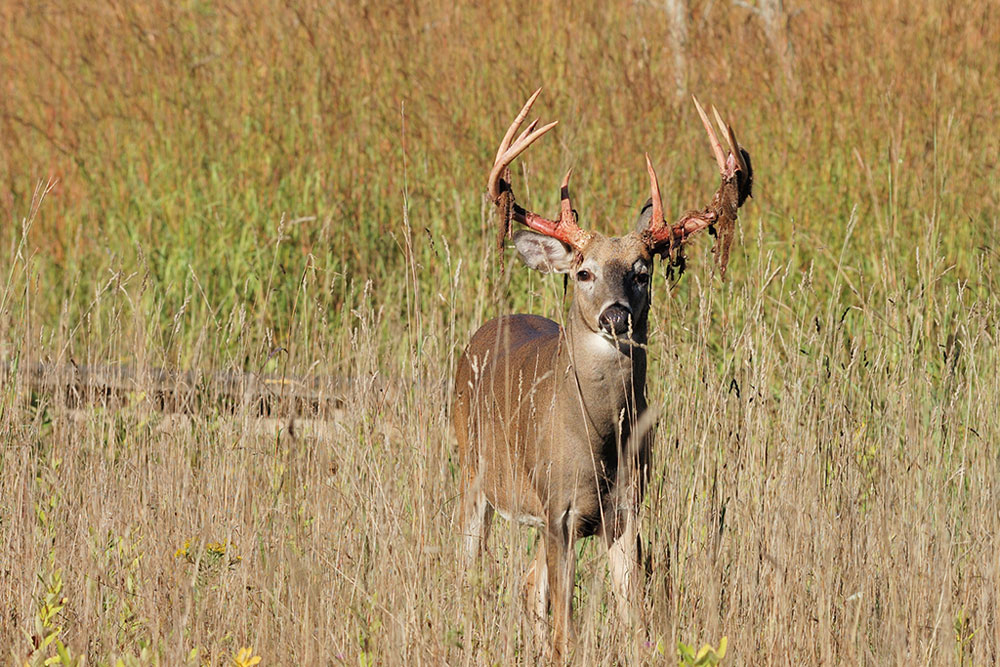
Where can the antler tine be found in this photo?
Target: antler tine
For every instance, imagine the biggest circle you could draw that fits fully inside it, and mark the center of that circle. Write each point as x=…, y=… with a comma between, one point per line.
x=565, y=204
x=722, y=127
x=528, y=130
x=734, y=146
x=656, y=221
x=505, y=144
x=523, y=142
x=738, y=153
x=720, y=157
x=512, y=152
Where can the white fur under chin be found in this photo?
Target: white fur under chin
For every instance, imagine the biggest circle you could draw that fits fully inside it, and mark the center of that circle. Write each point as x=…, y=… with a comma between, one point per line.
x=602, y=343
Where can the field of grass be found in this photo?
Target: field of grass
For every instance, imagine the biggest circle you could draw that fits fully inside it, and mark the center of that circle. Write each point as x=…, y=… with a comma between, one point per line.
x=298, y=188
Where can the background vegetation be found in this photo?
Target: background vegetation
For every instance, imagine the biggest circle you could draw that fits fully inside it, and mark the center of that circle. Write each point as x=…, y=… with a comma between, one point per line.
x=297, y=187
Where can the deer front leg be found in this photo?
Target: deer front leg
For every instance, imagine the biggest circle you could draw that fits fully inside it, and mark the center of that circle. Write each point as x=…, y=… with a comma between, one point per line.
x=537, y=592
x=626, y=570
x=561, y=560
x=477, y=519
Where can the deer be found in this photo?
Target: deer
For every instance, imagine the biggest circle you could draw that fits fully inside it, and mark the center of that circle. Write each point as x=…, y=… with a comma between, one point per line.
x=551, y=420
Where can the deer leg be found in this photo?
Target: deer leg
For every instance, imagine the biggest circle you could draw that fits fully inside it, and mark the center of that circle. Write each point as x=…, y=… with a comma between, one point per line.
x=478, y=515
x=561, y=559
x=624, y=561
x=537, y=591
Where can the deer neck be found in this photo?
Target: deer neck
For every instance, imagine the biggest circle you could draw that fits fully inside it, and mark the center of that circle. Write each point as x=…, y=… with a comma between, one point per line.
x=609, y=376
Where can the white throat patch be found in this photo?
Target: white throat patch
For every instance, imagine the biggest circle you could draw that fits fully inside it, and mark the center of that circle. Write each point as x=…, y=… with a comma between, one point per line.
x=600, y=343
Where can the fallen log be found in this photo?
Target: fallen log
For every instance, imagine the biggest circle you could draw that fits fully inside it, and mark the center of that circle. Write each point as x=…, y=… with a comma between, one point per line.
x=189, y=391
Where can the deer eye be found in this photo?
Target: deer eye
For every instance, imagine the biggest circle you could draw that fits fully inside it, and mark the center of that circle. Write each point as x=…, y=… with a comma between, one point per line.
x=583, y=275
x=641, y=278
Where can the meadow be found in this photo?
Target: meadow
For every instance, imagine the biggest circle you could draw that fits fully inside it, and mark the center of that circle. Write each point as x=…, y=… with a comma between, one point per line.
x=298, y=188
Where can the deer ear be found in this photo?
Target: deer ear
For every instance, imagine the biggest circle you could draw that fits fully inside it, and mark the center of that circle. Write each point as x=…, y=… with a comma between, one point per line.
x=645, y=215
x=543, y=253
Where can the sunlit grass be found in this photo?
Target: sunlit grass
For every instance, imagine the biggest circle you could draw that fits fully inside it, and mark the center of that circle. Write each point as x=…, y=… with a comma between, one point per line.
x=299, y=190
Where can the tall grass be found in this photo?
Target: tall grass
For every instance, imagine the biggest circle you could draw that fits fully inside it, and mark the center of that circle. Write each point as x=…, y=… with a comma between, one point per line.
x=298, y=188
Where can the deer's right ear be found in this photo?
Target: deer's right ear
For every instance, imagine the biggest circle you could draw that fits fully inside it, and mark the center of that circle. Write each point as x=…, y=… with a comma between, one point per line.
x=543, y=253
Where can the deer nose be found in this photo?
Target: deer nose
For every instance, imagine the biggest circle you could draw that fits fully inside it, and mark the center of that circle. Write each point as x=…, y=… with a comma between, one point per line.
x=615, y=319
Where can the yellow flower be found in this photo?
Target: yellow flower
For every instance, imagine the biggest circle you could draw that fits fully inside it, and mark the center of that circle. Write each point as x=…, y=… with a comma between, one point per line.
x=246, y=658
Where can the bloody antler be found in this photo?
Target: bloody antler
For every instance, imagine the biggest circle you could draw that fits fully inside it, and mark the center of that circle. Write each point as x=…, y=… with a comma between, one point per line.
x=565, y=228
x=721, y=213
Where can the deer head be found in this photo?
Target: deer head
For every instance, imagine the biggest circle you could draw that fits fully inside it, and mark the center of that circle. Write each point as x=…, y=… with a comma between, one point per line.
x=612, y=275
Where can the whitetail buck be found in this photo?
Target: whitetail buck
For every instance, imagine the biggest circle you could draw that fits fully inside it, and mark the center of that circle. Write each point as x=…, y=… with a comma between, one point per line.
x=548, y=418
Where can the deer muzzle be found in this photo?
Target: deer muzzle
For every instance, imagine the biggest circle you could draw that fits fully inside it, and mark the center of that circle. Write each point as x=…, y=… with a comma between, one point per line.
x=616, y=320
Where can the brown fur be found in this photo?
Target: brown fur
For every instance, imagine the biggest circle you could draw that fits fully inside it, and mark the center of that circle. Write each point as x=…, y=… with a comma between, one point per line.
x=543, y=416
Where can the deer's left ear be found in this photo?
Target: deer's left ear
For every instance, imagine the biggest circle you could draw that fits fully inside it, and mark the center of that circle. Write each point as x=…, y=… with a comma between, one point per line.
x=543, y=253
x=645, y=215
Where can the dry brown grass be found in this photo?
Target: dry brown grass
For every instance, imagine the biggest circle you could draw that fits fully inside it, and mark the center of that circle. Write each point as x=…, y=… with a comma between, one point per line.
x=235, y=180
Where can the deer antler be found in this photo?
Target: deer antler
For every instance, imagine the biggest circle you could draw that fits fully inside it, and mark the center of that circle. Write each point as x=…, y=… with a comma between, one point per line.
x=721, y=213
x=565, y=228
